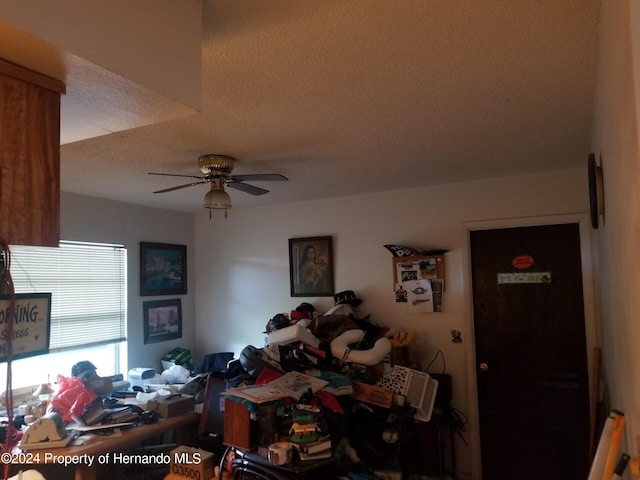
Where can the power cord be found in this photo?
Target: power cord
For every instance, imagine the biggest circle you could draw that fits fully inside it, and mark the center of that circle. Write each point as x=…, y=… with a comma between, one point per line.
x=444, y=364
x=458, y=422
x=456, y=418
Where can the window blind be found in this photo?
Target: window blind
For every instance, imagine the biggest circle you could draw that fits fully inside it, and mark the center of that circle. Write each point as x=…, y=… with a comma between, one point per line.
x=88, y=287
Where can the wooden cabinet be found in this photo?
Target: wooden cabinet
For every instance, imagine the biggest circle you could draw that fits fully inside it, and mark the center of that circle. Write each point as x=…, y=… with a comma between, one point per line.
x=29, y=156
x=238, y=429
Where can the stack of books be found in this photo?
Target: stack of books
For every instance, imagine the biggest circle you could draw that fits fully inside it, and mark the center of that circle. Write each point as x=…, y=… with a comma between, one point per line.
x=123, y=415
x=317, y=450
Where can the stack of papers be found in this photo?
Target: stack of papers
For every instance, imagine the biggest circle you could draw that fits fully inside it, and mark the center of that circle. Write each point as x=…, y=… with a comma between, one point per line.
x=292, y=384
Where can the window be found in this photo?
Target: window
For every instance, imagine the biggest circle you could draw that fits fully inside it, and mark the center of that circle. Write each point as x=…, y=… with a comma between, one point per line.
x=88, y=305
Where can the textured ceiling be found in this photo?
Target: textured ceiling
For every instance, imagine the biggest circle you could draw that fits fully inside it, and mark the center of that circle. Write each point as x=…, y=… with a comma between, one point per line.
x=349, y=96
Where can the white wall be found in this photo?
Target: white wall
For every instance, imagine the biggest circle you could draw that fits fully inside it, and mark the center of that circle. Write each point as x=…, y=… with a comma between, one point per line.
x=92, y=219
x=242, y=271
x=615, y=139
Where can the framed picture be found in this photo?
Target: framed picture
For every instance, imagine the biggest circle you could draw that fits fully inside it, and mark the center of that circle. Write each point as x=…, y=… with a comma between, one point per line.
x=162, y=320
x=163, y=269
x=311, y=267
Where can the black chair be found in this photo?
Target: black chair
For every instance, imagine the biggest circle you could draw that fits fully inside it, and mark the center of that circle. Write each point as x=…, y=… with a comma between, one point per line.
x=253, y=466
x=211, y=427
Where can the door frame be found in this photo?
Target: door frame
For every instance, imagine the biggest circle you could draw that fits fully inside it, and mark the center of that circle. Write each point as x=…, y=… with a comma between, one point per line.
x=589, y=285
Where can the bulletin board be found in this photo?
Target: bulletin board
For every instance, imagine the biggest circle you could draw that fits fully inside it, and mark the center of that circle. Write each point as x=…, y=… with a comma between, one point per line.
x=419, y=281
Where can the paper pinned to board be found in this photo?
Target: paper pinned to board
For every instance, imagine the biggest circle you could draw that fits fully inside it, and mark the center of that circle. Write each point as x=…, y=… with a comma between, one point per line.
x=420, y=283
x=420, y=296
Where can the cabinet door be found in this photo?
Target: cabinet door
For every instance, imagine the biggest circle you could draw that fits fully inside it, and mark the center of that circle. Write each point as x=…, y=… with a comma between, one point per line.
x=29, y=158
x=237, y=426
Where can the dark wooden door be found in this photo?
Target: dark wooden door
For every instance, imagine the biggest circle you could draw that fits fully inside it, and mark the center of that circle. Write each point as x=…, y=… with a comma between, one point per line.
x=532, y=375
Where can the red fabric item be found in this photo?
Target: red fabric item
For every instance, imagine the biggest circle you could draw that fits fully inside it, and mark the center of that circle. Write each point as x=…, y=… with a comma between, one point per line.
x=329, y=401
x=297, y=316
x=382, y=332
x=266, y=375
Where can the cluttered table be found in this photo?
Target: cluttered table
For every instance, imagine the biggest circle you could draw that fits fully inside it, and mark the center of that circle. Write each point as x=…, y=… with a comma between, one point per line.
x=103, y=449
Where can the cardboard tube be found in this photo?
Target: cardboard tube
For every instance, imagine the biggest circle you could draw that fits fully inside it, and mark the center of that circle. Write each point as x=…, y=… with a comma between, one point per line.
x=600, y=458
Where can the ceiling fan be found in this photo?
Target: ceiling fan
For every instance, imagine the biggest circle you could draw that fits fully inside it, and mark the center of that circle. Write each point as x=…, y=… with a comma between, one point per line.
x=217, y=170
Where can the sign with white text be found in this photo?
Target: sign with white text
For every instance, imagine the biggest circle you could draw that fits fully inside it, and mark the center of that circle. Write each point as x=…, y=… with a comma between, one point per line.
x=524, y=277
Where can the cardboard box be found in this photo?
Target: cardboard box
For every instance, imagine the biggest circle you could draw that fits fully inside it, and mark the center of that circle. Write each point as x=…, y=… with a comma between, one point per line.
x=382, y=397
x=173, y=405
x=192, y=463
x=100, y=386
x=293, y=333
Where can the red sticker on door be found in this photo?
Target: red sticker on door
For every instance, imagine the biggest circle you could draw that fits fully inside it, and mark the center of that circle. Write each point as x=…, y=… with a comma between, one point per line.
x=522, y=261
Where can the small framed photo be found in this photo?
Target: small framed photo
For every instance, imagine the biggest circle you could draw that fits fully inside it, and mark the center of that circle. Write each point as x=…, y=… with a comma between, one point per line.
x=163, y=269
x=162, y=320
x=311, y=267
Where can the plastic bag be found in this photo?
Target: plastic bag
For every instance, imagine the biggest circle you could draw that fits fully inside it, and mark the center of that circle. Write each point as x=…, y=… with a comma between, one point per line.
x=72, y=398
x=175, y=374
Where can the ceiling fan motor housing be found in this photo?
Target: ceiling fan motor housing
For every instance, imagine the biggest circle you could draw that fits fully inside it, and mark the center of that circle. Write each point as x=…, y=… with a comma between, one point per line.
x=216, y=164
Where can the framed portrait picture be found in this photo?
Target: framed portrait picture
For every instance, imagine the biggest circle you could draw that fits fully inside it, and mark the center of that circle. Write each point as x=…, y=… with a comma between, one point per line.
x=163, y=269
x=311, y=267
x=162, y=320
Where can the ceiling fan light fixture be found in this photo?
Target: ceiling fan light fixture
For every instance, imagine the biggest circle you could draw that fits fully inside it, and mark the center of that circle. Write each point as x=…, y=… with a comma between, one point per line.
x=217, y=199
x=217, y=171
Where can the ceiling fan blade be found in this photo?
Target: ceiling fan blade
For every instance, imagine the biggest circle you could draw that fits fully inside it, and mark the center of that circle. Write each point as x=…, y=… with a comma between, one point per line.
x=246, y=188
x=176, y=175
x=256, y=177
x=181, y=186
